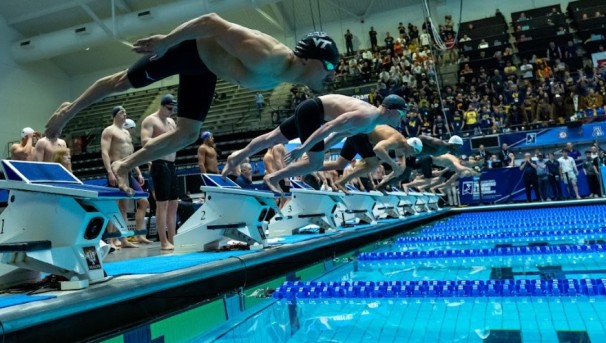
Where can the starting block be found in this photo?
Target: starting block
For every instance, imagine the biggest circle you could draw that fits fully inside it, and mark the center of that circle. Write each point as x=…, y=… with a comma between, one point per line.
x=409, y=203
x=359, y=206
x=306, y=207
x=388, y=207
x=53, y=224
x=228, y=212
x=432, y=201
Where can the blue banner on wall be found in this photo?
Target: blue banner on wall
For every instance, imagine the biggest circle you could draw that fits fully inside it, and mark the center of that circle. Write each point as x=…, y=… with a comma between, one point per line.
x=503, y=185
x=493, y=186
x=562, y=134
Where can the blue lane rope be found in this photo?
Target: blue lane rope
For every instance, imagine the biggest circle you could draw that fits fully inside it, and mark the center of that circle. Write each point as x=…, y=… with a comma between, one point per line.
x=501, y=251
x=508, y=236
x=459, y=288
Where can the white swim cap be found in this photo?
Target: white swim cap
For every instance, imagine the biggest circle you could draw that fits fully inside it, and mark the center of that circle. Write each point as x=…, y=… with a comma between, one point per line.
x=416, y=144
x=26, y=131
x=455, y=140
x=129, y=124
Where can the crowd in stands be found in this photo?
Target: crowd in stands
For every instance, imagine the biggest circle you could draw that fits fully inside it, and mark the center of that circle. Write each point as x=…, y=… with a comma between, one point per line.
x=542, y=78
x=548, y=81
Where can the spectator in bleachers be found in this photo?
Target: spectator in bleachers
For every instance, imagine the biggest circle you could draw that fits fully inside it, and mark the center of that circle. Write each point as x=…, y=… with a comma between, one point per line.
x=457, y=122
x=483, y=44
x=527, y=69
x=388, y=42
x=24, y=150
x=543, y=69
x=424, y=39
x=522, y=17
x=487, y=123
x=553, y=11
x=414, y=34
x=413, y=124
x=349, y=50
x=544, y=112
x=593, y=100
x=571, y=50
x=401, y=29
x=365, y=72
x=466, y=70
x=510, y=70
x=372, y=34
x=63, y=157
x=440, y=129
x=398, y=47
x=386, y=61
x=553, y=52
x=465, y=38
x=471, y=119
x=374, y=98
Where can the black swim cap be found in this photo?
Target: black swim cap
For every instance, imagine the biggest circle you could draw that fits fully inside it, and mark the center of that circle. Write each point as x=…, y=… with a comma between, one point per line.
x=394, y=102
x=116, y=110
x=318, y=46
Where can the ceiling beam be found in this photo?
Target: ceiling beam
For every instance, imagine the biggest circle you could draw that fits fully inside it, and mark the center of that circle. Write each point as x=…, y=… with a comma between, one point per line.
x=278, y=11
x=94, y=16
x=370, y=4
x=345, y=10
x=270, y=19
x=46, y=11
x=123, y=6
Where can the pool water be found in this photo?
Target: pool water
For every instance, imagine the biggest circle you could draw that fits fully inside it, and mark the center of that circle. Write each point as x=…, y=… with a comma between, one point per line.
x=532, y=275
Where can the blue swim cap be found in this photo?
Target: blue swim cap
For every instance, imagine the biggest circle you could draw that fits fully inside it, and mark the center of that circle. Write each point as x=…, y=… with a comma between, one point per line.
x=206, y=135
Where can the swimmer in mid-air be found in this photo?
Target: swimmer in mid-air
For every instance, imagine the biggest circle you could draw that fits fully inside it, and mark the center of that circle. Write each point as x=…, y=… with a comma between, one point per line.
x=200, y=51
x=332, y=117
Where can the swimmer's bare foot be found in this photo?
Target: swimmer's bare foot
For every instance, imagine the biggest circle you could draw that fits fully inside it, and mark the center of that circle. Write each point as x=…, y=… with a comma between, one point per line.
x=273, y=184
x=142, y=239
x=405, y=189
x=167, y=246
x=341, y=187
x=122, y=177
x=127, y=244
x=232, y=162
x=57, y=121
x=112, y=244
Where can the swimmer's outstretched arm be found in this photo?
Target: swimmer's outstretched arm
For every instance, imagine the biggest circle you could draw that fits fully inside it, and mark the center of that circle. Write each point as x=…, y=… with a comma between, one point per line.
x=205, y=26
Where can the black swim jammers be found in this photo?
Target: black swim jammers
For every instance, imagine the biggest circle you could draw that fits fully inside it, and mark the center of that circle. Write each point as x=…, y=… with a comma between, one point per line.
x=196, y=81
x=308, y=117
